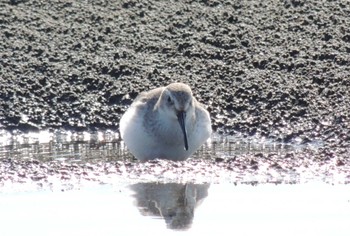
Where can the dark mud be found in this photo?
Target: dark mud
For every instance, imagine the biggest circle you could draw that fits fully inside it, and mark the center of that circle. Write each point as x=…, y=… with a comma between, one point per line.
x=275, y=69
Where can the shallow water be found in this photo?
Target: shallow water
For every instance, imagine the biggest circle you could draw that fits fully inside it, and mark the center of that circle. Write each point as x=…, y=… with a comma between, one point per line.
x=127, y=206
x=96, y=146
x=163, y=209
x=69, y=160
x=62, y=146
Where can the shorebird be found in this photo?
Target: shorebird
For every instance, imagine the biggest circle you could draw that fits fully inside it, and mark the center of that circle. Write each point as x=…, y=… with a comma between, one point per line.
x=165, y=123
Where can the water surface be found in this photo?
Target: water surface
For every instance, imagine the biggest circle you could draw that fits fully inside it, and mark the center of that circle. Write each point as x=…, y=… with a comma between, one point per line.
x=217, y=209
x=127, y=204
x=94, y=146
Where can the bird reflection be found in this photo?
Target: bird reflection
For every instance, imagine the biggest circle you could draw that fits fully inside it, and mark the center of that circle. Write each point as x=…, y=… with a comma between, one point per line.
x=173, y=202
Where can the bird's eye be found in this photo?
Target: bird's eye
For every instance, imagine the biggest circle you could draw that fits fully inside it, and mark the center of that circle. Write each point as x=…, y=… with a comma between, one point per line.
x=170, y=101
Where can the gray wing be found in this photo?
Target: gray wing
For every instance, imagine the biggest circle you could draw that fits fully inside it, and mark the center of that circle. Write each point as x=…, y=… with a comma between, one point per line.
x=149, y=98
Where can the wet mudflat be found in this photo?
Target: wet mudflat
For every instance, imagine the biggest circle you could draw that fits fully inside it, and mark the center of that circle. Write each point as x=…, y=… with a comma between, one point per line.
x=276, y=72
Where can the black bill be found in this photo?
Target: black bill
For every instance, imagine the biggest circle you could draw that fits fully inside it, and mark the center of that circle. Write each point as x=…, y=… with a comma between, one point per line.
x=181, y=116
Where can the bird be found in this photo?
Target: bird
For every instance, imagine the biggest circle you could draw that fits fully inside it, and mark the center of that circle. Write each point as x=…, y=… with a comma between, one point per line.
x=165, y=123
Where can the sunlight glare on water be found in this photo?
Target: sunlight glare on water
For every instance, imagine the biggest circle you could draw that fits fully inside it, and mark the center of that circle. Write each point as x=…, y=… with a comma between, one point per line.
x=218, y=209
x=82, y=146
x=154, y=208
x=61, y=145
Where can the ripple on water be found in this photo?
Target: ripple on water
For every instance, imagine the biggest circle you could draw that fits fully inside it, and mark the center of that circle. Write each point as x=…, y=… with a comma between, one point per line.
x=102, y=156
x=89, y=146
x=63, y=146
